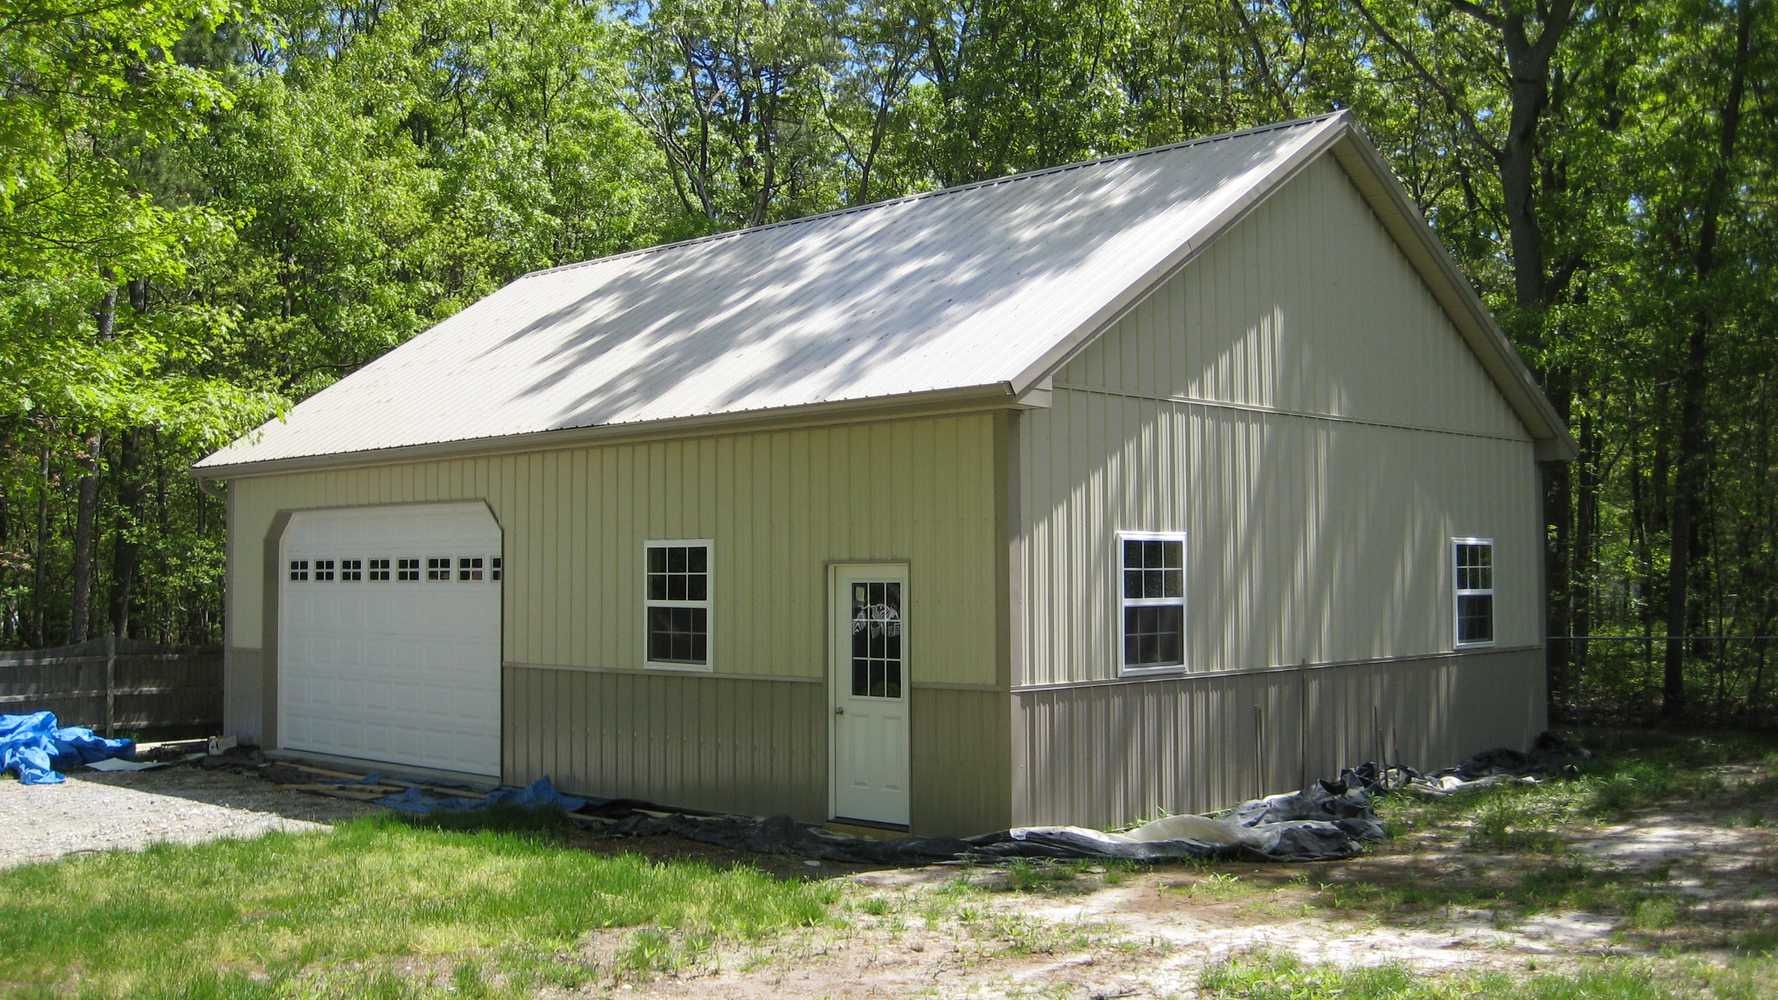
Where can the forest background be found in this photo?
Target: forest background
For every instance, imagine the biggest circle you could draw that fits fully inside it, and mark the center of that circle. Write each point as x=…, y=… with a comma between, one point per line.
x=211, y=209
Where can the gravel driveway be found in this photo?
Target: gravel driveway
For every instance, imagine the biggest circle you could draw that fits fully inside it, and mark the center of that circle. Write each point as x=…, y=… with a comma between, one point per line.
x=94, y=811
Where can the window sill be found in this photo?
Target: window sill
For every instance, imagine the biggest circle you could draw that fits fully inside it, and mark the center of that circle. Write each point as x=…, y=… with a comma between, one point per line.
x=1465, y=647
x=1177, y=668
x=678, y=668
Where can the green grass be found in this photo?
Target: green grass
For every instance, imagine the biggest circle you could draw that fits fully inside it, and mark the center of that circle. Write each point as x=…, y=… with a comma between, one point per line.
x=1630, y=772
x=1076, y=876
x=1218, y=887
x=1273, y=976
x=1527, y=832
x=491, y=905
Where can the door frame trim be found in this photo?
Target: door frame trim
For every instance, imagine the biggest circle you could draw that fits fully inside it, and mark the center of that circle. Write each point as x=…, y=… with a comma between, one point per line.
x=829, y=625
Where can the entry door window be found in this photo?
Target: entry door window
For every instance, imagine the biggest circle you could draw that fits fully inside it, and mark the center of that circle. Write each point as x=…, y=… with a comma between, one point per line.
x=876, y=639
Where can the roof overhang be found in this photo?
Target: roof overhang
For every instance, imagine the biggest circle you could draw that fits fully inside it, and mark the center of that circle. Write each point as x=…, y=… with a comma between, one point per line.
x=997, y=396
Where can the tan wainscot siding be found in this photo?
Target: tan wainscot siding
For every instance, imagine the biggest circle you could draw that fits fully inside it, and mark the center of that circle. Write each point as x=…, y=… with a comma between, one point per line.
x=1297, y=402
x=779, y=506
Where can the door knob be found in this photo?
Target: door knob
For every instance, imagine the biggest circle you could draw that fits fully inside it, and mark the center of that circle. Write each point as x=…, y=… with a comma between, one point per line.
x=838, y=710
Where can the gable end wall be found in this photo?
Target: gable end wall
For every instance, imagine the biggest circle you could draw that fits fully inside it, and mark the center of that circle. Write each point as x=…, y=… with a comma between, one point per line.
x=1297, y=402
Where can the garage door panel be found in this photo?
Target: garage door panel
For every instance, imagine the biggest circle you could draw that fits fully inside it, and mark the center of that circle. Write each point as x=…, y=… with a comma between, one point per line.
x=404, y=671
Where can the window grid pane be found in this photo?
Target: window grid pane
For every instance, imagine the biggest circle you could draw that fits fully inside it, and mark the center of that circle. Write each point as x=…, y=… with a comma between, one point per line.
x=678, y=635
x=1474, y=583
x=676, y=592
x=1154, y=570
x=1153, y=597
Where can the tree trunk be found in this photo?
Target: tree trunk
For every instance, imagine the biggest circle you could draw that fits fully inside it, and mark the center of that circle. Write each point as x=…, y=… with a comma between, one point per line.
x=1694, y=437
x=126, y=552
x=1586, y=524
x=40, y=559
x=1528, y=70
x=85, y=528
x=87, y=501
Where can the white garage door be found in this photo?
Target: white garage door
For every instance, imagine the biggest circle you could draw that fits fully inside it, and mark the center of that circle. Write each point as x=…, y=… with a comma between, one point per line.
x=389, y=635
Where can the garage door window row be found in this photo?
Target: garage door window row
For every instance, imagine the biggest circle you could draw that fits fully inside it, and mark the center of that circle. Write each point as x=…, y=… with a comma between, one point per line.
x=438, y=568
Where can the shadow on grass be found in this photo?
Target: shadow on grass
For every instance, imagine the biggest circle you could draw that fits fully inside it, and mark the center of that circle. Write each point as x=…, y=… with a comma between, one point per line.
x=545, y=824
x=1657, y=836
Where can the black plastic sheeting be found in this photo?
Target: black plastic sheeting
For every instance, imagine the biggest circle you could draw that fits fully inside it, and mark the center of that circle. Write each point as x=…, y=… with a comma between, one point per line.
x=1312, y=825
x=1329, y=820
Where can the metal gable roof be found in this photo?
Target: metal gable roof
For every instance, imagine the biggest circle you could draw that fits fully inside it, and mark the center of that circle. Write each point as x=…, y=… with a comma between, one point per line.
x=968, y=287
x=973, y=292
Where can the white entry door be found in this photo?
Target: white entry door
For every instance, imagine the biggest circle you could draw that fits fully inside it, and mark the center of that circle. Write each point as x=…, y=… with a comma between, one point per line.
x=389, y=635
x=870, y=693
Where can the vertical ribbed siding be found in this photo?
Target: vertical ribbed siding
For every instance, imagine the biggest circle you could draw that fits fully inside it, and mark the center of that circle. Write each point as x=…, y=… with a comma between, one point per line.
x=960, y=775
x=743, y=745
x=778, y=505
x=1111, y=755
x=243, y=694
x=749, y=746
x=1309, y=540
x=1307, y=306
x=1296, y=401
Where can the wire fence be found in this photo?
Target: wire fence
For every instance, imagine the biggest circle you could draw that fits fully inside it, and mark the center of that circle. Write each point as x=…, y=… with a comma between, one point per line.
x=1728, y=678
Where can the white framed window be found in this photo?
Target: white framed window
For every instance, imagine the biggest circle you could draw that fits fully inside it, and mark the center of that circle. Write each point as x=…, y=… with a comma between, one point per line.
x=351, y=569
x=469, y=567
x=407, y=568
x=1472, y=584
x=379, y=569
x=1151, y=601
x=676, y=579
x=438, y=568
x=324, y=569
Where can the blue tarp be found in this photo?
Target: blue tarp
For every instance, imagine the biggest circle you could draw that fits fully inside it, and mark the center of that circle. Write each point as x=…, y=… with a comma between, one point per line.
x=33, y=747
x=540, y=794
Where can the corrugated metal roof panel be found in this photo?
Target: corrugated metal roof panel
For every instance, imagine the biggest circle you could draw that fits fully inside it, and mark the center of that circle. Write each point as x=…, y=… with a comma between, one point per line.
x=953, y=289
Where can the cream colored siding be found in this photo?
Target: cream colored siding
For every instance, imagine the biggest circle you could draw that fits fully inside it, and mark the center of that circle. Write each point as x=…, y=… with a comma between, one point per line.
x=1307, y=540
x=778, y=507
x=1295, y=402
x=1306, y=306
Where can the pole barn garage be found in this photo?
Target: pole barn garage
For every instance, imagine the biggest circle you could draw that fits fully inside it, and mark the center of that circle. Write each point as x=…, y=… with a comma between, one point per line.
x=1139, y=485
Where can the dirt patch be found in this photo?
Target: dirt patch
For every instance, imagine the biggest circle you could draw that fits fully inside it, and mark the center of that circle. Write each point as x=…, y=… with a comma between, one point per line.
x=1706, y=885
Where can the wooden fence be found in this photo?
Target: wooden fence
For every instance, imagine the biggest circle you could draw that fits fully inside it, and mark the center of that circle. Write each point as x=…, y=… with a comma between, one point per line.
x=117, y=686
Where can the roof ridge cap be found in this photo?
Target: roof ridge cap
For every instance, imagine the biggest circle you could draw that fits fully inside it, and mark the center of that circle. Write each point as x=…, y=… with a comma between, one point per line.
x=940, y=192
